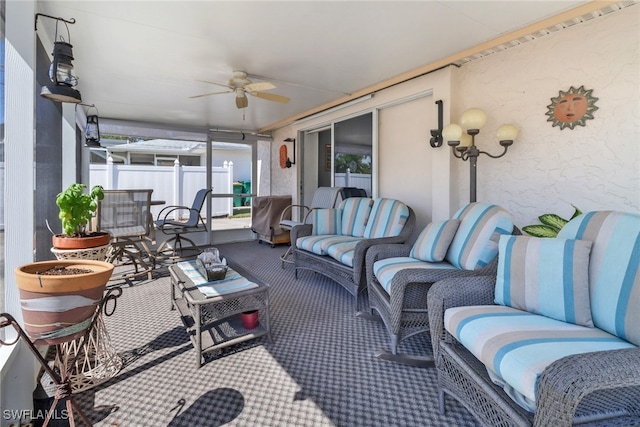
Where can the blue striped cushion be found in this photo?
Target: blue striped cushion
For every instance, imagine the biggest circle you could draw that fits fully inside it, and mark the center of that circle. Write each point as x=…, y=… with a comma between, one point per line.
x=355, y=213
x=476, y=242
x=614, y=269
x=343, y=252
x=387, y=218
x=326, y=221
x=545, y=276
x=517, y=346
x=434, y=240
x=233, y=281
x=320, y=245
x=385, y=269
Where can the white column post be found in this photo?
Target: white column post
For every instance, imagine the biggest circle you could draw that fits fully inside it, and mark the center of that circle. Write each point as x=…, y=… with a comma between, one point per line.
x=112, y=173
x=177, y=186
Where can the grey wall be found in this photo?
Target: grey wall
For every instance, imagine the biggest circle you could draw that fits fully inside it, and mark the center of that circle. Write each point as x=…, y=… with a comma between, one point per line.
x=48, y=155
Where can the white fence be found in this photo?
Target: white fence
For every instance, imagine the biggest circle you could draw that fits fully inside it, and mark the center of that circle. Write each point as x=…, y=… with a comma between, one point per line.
x=358, y=180
x=175, y=185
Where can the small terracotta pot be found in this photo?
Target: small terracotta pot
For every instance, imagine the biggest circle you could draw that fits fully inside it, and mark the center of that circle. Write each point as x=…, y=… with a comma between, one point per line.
x=250, y=319
x=61, y=241
x=59, y=308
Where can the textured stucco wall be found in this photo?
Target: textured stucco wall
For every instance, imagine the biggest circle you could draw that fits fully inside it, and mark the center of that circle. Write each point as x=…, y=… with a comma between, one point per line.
x=594, y=167
x=548, y=169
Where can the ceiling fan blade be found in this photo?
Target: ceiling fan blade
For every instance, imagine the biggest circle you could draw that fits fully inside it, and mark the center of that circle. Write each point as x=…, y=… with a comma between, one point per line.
x=259, y=86
x=271, y=97
x=211, y=93
x=242, y=101
x=214, y=83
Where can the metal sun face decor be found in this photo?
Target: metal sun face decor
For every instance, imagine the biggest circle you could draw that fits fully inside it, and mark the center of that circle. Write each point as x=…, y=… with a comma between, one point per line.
x=572, y=108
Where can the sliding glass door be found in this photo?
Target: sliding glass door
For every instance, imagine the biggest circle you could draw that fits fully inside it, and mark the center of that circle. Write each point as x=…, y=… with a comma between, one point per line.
x=339, y=154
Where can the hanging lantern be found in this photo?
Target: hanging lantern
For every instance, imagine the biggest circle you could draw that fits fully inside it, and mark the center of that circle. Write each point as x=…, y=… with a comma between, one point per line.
x=61, y=74
x=92, y=131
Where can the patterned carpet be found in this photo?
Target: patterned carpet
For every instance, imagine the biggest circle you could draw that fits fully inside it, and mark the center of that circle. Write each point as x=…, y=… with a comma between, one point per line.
x=319, y=370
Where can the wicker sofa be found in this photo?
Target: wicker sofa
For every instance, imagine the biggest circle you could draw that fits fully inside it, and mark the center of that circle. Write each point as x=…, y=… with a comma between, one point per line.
x=557, y=329
x=334, y=242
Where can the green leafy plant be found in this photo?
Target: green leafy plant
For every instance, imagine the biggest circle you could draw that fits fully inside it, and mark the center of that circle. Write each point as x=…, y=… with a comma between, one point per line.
x=77, y=208
x=551, y=224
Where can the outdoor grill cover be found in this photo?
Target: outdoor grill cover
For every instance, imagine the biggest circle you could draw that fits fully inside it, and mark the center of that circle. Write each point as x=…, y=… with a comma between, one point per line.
x=266, y=213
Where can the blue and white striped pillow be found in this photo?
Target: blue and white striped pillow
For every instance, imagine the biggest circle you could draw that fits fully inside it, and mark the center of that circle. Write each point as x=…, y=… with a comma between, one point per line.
x=326, y=221
x=614, y=269
x=355, y=214
x=387, y=219
x=434, y=240
x=545, y=276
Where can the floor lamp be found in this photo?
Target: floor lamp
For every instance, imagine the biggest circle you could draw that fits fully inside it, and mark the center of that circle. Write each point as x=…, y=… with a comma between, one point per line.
x=461, y=139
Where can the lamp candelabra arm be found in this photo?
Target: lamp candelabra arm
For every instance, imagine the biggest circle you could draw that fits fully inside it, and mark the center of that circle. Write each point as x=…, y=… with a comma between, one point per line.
x=505, y=145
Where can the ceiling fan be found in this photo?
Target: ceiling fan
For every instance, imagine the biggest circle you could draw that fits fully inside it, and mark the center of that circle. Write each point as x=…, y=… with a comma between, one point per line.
x=241, y=86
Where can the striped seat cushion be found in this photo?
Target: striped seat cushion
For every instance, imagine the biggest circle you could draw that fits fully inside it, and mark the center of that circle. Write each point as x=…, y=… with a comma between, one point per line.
x=343, y=252
x=545, y=276
x=355, y=213
x=433, y=242
x=517, y=346
x=232, y=283
x=387, y=218
x=476, y=242
x=325, y=221
x=614, y=269
x=320, y=245
x=386, y=269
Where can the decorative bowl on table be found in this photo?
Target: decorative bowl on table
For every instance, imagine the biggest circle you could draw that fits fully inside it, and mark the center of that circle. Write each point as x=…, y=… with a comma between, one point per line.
x=216, y=271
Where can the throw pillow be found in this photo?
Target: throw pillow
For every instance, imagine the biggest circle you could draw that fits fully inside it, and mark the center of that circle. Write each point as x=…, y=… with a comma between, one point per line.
x=545, y=276
x=326, y=221
x=434, y=240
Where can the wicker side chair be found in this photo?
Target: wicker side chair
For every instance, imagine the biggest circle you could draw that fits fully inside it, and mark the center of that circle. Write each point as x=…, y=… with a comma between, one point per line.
x=398, y=281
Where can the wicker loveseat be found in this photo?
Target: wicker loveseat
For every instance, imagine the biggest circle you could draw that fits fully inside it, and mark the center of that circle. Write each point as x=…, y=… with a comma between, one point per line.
x=556, y=330
x=335, y=241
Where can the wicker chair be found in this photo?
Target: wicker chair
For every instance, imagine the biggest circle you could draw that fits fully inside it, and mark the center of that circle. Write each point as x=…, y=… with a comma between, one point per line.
x=596, y=387
x=398, y=280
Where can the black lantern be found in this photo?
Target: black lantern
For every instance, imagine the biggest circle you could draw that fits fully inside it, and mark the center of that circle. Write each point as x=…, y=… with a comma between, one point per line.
x=92, y=132
x=61, y=75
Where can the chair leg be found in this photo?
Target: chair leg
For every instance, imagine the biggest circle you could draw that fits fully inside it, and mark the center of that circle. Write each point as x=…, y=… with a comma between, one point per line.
x=404, y=359
x=285, y=257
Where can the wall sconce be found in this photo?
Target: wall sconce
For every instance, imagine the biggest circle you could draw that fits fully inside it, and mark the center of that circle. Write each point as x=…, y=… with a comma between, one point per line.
x=288, y=163
x=61, y=68
x=463, y=145
x=436, y=134
x=92, y=130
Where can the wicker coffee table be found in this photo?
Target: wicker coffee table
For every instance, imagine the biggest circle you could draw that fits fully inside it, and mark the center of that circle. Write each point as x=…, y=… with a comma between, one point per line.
x=214, y=322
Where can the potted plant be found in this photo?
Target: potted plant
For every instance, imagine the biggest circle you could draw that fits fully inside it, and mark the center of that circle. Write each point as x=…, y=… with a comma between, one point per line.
x=76, y=210
x=551, y=224
x=59, y=298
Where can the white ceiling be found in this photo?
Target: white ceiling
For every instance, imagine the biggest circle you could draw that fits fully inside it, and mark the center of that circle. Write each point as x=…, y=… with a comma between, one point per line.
x=142, y=60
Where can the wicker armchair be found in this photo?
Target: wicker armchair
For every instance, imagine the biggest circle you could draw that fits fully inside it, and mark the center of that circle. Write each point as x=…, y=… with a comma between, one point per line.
x=595, y=387
x=398, y=282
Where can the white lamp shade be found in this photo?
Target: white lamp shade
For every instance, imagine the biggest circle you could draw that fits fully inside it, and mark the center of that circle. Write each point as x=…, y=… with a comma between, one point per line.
x=473, y=118
x=507, y=133
x=452, y=132
x=465, y=140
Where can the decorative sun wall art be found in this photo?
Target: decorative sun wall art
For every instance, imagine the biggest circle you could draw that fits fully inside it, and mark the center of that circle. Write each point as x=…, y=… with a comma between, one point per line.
x=572, y=108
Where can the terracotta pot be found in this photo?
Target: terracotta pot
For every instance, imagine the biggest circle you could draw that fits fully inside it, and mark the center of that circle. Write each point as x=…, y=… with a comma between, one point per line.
x=59, y=308
x=61, y=241
x=250, y=319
